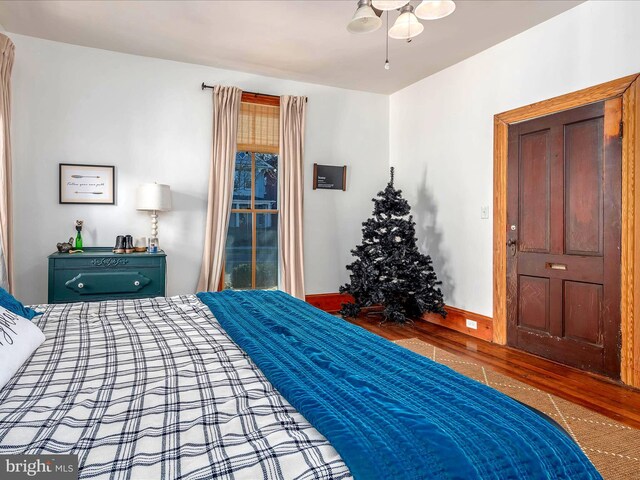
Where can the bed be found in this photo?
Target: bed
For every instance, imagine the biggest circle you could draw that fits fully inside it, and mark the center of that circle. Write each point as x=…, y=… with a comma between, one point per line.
x=201, y=387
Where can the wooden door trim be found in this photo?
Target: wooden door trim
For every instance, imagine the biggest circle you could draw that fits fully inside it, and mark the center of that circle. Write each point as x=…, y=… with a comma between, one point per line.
x=630, y=247
x=629, y=88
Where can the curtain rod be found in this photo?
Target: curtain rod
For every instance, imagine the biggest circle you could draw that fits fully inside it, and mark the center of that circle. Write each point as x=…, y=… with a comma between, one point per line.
x=250, y=93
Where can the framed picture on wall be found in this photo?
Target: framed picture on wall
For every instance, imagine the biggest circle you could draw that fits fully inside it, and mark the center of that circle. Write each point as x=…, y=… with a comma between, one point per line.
x=87, y=184
x=329, y=177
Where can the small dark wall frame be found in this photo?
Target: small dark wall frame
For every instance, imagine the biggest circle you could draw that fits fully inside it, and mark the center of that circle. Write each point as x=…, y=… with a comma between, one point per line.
x=86, y=184
x=329, y=177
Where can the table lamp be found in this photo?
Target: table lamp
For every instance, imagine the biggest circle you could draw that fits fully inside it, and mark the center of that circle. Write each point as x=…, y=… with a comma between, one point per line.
x=153, y=197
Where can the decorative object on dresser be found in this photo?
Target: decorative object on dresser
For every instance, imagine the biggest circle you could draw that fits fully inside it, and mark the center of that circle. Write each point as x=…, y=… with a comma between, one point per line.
x=140, y=245
x=79, y=234
x=65, y=247
x=119, y=247
x=99, y=274
x=124, y=244
x=87, y=184
x=128, y=244
x=153, y=197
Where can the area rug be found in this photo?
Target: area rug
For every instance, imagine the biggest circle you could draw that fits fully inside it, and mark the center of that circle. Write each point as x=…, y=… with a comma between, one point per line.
x=614, y=448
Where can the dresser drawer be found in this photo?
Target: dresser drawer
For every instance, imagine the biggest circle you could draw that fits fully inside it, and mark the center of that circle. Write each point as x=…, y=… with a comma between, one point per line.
x=91, y=285
x=110, y=262
x=100, y=275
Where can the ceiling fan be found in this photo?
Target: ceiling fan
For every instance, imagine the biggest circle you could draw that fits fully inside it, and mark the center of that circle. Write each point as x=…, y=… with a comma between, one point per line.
x=367, y=19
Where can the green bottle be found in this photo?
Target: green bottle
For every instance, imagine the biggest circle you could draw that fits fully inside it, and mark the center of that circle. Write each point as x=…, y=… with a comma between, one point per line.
x=79, y=224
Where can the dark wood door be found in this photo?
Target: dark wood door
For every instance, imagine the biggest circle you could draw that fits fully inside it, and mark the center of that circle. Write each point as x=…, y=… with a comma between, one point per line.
x=563, y=237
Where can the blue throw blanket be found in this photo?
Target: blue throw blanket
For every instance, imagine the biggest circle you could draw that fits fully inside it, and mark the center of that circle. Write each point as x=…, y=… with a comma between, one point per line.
x=391, y=413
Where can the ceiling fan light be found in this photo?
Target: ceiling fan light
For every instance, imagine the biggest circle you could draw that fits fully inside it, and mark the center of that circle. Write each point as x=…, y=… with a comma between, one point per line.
x=365, y=19
x=435, y=9
x=389, y=4
x=406, y=25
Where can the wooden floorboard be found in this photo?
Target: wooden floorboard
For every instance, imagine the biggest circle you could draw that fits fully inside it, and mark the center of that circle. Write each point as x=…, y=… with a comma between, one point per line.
x=597, y=393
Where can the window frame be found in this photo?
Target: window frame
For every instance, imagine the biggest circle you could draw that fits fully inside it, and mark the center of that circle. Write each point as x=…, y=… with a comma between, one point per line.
x=254, y=220
x=253, y=150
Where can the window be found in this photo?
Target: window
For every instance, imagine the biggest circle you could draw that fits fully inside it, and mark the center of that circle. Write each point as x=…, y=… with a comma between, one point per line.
x=251, y=254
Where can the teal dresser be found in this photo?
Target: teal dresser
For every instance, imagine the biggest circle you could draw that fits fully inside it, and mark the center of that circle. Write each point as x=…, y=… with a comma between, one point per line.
x=99, y=274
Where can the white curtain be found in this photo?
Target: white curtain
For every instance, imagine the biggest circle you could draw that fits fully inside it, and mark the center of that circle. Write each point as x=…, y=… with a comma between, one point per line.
x=226, y=106
x=292, y=122
x=7, y=50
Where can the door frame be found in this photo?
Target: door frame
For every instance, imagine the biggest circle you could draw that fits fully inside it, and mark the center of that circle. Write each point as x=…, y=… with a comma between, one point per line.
x=629, y=89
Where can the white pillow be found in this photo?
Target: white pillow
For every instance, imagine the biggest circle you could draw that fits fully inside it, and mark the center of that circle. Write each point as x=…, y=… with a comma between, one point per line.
x=19, y=338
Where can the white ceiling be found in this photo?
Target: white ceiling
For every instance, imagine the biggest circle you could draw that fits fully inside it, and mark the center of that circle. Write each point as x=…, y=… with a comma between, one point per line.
x=302, y=40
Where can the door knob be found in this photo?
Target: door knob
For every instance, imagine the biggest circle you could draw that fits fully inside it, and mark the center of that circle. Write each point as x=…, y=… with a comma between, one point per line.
x=81, y=285
x=511, y=242
x=511, y=245
x=137, y=283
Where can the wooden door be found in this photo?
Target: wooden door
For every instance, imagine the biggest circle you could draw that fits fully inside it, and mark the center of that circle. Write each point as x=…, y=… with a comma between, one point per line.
x=563, y=237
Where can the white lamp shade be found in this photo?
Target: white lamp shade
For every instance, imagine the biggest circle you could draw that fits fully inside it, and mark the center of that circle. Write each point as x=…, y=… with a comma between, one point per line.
x=364, y=20
x=406, y=25
x=389, y=4
x=153, y=196
x=435, y=9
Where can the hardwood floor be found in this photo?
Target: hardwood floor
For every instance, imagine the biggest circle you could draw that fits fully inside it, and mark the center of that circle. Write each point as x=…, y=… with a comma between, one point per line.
x=597, y=393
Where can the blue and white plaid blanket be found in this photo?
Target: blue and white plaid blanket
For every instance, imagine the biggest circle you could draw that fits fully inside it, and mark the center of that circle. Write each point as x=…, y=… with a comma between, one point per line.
x=155, y=389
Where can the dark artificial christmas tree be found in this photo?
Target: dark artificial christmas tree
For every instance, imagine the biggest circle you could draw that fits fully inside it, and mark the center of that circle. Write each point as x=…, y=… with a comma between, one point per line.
x=389, y=270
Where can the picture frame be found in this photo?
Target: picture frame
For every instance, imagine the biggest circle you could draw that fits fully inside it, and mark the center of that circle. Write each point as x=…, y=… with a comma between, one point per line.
x=329, y=177
x=86, y=184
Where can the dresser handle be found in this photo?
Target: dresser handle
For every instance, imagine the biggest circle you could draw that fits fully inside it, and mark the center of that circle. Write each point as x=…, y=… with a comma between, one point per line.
x=137, y=283
x=81, y=285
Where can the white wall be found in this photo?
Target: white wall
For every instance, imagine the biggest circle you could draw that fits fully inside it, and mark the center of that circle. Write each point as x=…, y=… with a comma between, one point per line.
x=149, y=118
x=441, y=129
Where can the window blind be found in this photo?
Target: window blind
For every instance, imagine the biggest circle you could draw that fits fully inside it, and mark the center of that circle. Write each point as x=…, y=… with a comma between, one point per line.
x=258, y=128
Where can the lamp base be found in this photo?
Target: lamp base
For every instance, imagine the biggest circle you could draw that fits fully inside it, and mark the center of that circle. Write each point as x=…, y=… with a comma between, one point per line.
x=153, y=240
x=154, y=224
